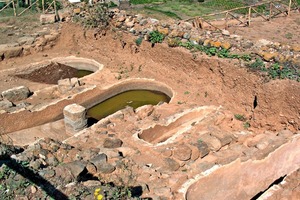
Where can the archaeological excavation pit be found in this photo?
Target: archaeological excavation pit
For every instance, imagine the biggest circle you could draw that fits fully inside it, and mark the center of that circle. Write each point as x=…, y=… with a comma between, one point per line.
x=50, y=72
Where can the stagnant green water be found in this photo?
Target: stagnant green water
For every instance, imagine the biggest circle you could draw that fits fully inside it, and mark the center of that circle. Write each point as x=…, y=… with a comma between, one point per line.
x=81, y=73
x=133, y=98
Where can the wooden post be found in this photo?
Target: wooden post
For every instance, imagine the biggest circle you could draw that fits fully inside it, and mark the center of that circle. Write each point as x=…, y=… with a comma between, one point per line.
x=226, y=19
x=43, y=5
x=55, y=10
x=14, y=7
x=270, y=14
x=249, y=16
x=289, y=9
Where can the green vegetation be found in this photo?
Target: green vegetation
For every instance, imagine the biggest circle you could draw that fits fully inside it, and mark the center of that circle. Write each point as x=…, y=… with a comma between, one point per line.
x=156, y=37
x=139, y=41
x=240, y=117
x=276, y=70
x=246, y=125
x=285, y=71
x=189, y=8
x=167, y=13
x=258, y=64
x=214, y=51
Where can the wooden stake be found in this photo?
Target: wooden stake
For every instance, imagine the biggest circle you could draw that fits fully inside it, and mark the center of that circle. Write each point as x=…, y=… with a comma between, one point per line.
x=43, y=5
x=27, y=8
x=260, y=14
x=289, y=9
x=14, y=7
x=249, y=16
x=55, y=10
x=226, y=18
x=270, y=14
x=5, y=6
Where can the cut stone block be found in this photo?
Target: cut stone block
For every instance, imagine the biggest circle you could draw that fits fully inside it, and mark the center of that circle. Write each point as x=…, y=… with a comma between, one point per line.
x=75, y=118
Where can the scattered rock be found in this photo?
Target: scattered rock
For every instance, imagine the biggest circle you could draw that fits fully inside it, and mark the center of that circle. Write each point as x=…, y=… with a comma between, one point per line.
x=16, y=94
x=47, y=18
x=112, y=143
x=4, y=104
x=170, y=164
x=182, y=152
x=203, y=148
x=76, y=168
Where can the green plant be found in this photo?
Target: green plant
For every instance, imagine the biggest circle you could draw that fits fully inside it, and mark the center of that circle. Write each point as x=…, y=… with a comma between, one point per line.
x=239, y=117
x=289, y=36
x=139, y=41
x=156, y=37
x=246, y=125
x=257, y=64
x=186, y=92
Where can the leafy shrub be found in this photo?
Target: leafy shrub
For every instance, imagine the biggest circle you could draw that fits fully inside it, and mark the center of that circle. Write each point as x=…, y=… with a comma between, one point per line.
x=156, y=37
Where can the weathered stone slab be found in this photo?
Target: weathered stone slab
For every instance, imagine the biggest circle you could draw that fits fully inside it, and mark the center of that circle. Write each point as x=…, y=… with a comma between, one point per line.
x=16, y=94
x=243, y=180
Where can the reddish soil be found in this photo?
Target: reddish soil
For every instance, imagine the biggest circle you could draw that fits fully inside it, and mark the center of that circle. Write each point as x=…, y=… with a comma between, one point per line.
x=208, y=81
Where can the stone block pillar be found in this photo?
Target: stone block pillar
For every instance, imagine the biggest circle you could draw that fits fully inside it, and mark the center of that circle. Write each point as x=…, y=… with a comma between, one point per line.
x=75, y=118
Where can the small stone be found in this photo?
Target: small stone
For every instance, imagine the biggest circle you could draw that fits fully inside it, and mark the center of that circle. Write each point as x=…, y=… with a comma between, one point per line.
x=112, y=143
x=126, y=151
x=203, y=148
x=47, y=173
x=206, y=42
x=226, y=45
x=216, y=44
x=35, y=164
x=162, y=30
x=182, y=152
x=170, y=164
x=225, y=32
x=91, y=168
x=212, y=142
x=33, y=189
x=76, y=167
x=99, y=159
x=91, y=183
x=105, y=168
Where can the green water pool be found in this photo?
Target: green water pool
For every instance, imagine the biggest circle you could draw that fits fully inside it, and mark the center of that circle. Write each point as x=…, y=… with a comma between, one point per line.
x=133, y=98
x=81, y=73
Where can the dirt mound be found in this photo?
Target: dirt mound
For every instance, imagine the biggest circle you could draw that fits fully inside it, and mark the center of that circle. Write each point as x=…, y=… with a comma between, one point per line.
x=50, y=74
